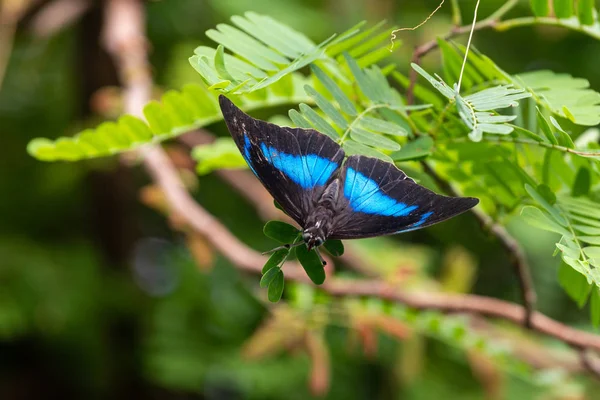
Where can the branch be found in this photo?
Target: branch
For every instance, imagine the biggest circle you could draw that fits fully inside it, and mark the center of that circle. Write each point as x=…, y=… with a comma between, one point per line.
x=589, y=364
x=57, y=15
x=510, y=244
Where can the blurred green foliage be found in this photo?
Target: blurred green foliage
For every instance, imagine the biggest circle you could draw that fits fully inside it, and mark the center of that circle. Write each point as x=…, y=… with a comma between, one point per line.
x=86, y=313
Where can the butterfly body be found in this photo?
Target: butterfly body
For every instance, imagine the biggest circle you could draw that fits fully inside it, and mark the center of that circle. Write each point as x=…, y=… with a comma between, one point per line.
x=331, y=196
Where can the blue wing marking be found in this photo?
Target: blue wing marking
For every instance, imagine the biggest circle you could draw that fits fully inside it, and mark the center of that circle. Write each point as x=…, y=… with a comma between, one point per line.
x=246, y=153
x=307, y=171
x=365, y=195
x=416, y=225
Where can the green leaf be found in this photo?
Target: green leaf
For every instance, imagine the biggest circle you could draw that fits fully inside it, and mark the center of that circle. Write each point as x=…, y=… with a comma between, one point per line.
x=382, y=126
x=311, y=264
x=281, y=232
x=327, y=107
x=364, y=83
x=268, y=276
x=191, y=108
x=540, y=7
x=299, y=120
x=351, y=147
x=438, y=83
x=546, y=193
x=334, y=247
x=563, y=137
x=585, y=11
x=563, y=8
x=318, y=122
x=221, y=154
x=275, y=260
x=372, y=139
x=571, y=98
x=414, y=150
x=276, y=287
x=544, y=203
x=583, y=181
x=574, y=283
x=338, y=94
x=545, y=127
x=535, y=217
x=595, y=307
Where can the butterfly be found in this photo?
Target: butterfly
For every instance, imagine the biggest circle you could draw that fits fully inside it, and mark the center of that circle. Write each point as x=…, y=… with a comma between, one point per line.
x=329, y=195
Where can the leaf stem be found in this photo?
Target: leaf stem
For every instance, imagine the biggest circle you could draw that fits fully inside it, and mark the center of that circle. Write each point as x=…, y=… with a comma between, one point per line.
x=462, y=68
x=509, y=139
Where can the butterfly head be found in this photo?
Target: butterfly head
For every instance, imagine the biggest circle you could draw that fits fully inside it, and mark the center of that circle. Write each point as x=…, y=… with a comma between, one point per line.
x=313, y=238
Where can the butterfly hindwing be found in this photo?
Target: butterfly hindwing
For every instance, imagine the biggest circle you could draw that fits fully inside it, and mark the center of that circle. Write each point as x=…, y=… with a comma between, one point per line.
x=293, y=164
x=379, y=199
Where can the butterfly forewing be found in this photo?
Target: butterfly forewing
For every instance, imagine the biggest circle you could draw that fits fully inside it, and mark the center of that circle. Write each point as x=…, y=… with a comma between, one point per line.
x=379, y=199
x=293, y=164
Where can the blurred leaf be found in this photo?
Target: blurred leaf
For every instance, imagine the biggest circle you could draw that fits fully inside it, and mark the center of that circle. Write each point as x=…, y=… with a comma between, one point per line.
x=581, y=186
x=595, y=307
x=417, y=149
x=575, y=284
x=563, y=8
x=585, y=11
x=311, y=264
x=546, y=193
x=540, y=7
x=281, y=232
x=221, y=154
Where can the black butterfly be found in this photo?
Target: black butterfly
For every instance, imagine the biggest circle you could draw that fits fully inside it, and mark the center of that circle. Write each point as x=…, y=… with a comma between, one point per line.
x=328, y=197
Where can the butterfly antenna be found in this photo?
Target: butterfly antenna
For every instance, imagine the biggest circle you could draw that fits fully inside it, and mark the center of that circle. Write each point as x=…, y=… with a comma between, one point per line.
x=285, y=246
x=323, y=262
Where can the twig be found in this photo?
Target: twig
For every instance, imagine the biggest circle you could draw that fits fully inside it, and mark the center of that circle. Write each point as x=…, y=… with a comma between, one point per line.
x=57, y=15
x=425, y=48
x=589, y=364
x=462, y=68
x=510, y=244
x=124, y=32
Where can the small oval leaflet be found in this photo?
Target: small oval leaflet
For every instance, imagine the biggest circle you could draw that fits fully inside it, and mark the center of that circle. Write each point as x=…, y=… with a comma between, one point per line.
x=268, y=277
x=276, y=258
x=280, y=231
x=311, y=264
x=334, y=247
x=276, y=287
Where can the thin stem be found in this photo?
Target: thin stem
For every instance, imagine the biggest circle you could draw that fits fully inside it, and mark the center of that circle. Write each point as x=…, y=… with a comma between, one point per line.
x=571, y=23
x=462, y=69
x=425, y=48
x=507, y=139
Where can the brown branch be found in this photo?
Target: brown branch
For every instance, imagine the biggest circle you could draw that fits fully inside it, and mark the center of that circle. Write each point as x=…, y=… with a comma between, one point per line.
x=509, y=243
x=57, y=15
x=124, y=39
x=590, y=365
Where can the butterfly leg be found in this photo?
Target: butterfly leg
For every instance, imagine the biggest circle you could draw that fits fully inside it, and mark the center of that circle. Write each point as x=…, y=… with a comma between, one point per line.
x=320, y=256
x=285, y=246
